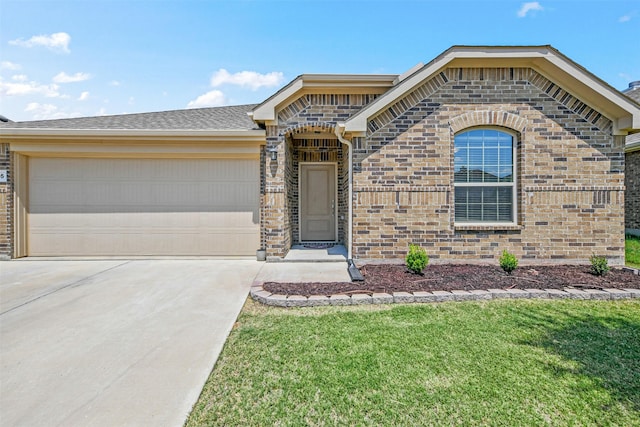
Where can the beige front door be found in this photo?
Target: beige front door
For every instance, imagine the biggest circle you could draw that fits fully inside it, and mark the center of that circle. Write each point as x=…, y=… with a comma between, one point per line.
x=317, y=202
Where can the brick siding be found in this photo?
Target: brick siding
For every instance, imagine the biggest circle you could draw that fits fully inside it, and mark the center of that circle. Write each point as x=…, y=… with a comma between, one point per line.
x=632, y=194
x=632, y=178
x=6, y=205
x=311, y=113
x=570, y=171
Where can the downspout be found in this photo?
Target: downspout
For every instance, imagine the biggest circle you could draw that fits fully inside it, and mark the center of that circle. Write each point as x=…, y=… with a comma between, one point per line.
x=339, y=133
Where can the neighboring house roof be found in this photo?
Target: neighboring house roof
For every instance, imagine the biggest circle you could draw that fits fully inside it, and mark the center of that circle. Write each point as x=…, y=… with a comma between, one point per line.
x=548, y=61
x=217, y=118
x=633, y=92
x=632, y=143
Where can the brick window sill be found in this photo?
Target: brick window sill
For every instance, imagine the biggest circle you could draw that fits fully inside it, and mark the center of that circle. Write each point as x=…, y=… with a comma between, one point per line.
x=488, y=227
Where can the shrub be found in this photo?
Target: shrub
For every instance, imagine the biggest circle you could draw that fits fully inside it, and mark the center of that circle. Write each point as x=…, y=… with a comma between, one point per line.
x=508, y=261
x=417, y=259
x=599, y=265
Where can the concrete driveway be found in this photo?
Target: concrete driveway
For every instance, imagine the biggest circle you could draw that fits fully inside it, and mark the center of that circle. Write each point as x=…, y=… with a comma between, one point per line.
x=106, y=343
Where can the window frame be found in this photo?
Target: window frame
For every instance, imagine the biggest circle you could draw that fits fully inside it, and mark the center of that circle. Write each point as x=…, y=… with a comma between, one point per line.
x=513, y=184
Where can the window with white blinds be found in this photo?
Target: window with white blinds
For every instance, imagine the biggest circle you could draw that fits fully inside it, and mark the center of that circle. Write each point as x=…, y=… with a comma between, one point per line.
x=484, y=176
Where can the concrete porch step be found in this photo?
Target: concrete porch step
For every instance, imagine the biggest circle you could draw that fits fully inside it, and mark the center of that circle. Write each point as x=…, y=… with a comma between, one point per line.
x=312, y=253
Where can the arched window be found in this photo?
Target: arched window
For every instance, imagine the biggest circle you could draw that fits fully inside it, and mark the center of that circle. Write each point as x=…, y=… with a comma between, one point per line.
x=484, y=177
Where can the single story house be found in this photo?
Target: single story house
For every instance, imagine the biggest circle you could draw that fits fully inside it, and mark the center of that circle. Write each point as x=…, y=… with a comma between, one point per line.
x=482, y=149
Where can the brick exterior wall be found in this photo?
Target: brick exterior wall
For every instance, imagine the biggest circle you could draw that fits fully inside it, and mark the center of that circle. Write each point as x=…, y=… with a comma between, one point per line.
x=315, y=151
x=632, y=178
x=570, y=171
x=311, y=113
x=632, y=194
x=6, y=205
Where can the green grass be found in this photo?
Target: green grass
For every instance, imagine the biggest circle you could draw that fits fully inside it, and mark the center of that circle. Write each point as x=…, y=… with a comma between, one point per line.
x=507, y=363
x=632, y=251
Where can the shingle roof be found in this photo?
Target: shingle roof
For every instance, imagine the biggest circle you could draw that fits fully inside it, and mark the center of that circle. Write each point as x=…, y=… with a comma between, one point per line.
x=633, y=93
x=216, y=118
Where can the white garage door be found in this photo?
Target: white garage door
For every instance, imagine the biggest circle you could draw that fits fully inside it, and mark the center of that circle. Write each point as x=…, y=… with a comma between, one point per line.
x=143, y=207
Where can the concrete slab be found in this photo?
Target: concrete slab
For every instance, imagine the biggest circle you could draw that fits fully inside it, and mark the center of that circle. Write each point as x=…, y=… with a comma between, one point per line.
x=301, y=253
x=107, y=343
x=304, y=272
x=25, y=280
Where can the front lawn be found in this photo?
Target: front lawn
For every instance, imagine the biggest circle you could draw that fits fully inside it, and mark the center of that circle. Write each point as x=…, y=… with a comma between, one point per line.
x=632, y=251
x=501, y=362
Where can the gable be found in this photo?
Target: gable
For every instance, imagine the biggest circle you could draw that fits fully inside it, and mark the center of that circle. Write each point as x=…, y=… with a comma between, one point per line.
x=313, y=89
x=564, y=74
x=475, y=84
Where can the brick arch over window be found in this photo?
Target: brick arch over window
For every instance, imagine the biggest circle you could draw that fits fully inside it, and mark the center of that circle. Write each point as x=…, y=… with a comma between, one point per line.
x=488, y=118
x=311, y=127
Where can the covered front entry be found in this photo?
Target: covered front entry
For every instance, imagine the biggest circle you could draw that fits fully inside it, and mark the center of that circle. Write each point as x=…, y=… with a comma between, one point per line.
x=318, y=198
x=317, y=187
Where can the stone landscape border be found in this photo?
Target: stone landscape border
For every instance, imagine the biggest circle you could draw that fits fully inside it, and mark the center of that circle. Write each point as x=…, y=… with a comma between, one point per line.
x=259, y=294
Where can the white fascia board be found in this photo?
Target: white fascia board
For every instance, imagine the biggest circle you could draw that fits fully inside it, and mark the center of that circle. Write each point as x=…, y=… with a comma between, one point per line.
x=44, y=133
x=358, y=122
x=266, y=112
x=624, y=113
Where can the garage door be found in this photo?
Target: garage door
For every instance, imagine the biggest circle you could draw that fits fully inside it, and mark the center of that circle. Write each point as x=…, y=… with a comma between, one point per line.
x=143, y=207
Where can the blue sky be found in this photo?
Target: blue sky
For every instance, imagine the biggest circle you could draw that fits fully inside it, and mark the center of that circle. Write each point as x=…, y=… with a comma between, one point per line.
x=63, y=59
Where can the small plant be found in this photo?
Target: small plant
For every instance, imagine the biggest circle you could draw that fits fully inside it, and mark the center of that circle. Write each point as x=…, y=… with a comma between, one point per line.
x=417, y=259
x=599, y=265
x=508, y=261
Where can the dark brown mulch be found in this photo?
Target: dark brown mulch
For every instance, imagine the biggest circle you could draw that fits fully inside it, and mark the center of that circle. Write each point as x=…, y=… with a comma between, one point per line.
x=447, y=277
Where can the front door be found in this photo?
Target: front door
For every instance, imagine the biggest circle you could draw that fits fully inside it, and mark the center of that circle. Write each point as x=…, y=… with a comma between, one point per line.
x=318, y=202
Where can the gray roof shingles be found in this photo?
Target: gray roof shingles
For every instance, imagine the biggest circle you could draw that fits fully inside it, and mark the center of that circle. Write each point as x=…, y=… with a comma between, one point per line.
x=215, y=118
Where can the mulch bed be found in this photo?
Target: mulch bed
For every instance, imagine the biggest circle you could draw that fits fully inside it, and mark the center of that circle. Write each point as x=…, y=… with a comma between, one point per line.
x=391, y=278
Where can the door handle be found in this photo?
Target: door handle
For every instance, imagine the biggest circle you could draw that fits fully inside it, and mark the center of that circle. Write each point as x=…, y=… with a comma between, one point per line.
x=333, y=207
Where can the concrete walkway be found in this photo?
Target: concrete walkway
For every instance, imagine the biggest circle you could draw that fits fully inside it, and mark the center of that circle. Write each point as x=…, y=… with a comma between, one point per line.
x=304, y=272
x=113, y=343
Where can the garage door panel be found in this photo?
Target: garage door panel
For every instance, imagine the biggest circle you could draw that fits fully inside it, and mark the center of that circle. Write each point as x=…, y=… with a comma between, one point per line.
x=143, y=207
x=147, y=197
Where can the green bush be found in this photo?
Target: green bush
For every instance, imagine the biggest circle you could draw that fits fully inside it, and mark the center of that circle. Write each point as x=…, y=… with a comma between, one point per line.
x=416, y=259
x=599, y=265
x=508, y=261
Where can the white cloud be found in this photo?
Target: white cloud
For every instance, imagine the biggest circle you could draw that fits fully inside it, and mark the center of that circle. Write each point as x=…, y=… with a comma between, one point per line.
x=214, y=98
x=19, y=78
x=114, y=83
x=83, y=96
x=22, y=88
x=528, y=7
x=101, y=112
x=7, y=65
x=628, y=17
x=250, y=79
x=57, y=42
x=66, y=78
x=47, y=112
x=625, y=76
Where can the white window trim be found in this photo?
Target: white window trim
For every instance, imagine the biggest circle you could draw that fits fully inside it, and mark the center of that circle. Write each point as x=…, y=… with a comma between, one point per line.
x=513, y=184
